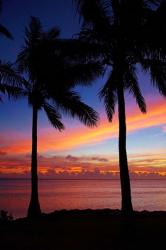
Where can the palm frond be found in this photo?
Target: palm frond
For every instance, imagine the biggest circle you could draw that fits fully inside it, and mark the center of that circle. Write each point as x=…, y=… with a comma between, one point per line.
x=33, y=32
x=109, y=95
x=131, y=83
x=53, y=116
x=10, y=76
x=23, y=60
x=11, y=83
x=5, y=32
x=158, y=76
x=70, y=103
x=30, y=57
x=157, y=70
x=11, y=91
x=95, y=13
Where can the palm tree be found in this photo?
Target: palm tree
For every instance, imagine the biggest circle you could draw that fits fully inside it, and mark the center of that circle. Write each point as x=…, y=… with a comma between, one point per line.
x=120, y=29
x=51, y=76
x=3, y=30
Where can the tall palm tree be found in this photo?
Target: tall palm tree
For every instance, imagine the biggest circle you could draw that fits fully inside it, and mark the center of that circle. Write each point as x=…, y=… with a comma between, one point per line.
x=120, y=28
x=51, y=76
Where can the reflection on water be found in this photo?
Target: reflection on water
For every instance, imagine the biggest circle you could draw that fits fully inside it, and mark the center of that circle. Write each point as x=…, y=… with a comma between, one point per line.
x=81, y=194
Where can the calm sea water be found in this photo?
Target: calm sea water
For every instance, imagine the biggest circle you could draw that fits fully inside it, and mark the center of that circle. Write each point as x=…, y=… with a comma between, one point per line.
x=81, y=194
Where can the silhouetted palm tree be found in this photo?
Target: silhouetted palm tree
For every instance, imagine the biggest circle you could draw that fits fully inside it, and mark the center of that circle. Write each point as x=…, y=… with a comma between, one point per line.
x=52, y=76
x=120, y=28
x=3, y=30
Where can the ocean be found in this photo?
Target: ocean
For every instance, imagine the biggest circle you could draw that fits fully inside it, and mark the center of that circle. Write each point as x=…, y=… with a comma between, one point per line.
x=80, y=194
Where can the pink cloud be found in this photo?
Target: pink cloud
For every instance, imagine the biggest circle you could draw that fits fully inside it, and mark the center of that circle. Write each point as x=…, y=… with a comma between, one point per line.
x=57, y=165
x=50, y=139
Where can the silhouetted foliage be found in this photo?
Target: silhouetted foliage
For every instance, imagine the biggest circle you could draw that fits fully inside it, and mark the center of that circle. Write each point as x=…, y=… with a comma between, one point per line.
x=123, y=31
x=5, y=217
x=11, y=83
x=52, y=73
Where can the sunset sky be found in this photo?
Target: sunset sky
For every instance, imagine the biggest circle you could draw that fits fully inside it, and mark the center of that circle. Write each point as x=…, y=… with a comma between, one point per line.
x=78, y=151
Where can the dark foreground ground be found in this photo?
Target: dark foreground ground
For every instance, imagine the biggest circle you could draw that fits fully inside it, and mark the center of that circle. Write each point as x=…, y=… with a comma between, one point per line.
x=86, y=230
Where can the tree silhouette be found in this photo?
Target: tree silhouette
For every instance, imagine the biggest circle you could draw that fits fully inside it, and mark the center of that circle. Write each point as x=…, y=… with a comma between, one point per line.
x=51, y=76
x=121, y=29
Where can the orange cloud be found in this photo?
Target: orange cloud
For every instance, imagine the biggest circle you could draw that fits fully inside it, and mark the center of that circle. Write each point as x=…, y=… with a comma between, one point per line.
x=86, y=167
x=50, y=139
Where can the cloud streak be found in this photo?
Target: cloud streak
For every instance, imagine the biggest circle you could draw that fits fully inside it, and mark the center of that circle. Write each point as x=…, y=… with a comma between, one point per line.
x=82, y=165
x=52, y=140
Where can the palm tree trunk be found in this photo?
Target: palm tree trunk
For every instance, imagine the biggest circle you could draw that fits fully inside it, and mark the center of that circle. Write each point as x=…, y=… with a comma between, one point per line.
x=123, y=163
x=34, y=206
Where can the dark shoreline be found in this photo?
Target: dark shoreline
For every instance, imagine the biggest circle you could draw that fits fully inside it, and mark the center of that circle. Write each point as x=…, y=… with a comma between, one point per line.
x=103, y=229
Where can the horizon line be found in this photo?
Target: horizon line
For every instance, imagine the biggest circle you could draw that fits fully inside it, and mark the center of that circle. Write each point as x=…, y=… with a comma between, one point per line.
x=80, y=179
